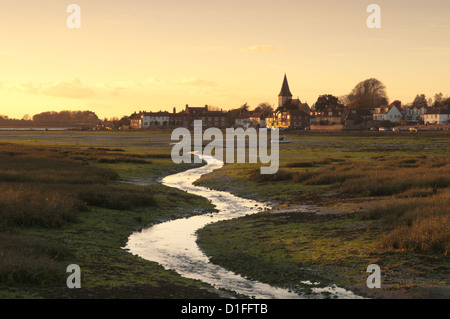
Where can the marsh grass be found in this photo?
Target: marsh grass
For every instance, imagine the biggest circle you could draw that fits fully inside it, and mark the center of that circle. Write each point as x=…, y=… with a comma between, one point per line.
x=416, y=224
x=417, y=215
x=116, y=197
x=44, y=187
x=29, y=260
x=32, y=205
x=381, y=177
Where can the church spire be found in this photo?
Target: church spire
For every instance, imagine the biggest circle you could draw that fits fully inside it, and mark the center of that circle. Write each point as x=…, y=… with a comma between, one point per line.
x=285, y=94
x=285, y=88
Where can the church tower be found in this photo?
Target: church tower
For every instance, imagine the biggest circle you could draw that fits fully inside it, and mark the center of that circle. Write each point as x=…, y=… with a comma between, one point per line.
x=285, y=93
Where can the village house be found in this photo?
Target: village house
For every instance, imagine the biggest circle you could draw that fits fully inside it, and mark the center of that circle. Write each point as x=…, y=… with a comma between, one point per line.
x=414, y=114
x=437, y=116
x=195, y=111
x=125, y=123
x=155, y=119
x=329, y=117
x=292, y=119
x=217, y=119
x=298, y=119
x=257, y=120
x=178, y=119
x=296, y=104
x=358, y=116
x=209, y=118
x=136, y=121
x=387, y=113
x=291, y=113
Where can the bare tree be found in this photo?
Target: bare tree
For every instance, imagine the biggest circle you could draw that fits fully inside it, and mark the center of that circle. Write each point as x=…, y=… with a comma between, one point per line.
x=371, y=93
x=213, y=108
x=344, y=100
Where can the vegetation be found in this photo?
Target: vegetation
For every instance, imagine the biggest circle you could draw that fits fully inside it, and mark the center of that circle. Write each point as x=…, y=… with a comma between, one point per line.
x=326, y=102
x=65, y=205
x=380, y=200
x=66, y=117
x=367, y=94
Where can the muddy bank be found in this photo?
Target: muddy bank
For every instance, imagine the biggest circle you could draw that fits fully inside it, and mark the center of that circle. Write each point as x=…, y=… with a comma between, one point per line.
x=173, y=244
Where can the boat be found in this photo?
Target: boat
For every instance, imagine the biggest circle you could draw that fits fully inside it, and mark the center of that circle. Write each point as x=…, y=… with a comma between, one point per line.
x=284, y=139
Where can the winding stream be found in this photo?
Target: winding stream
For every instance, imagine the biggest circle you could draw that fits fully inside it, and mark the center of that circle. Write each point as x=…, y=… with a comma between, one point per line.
x=173, y=244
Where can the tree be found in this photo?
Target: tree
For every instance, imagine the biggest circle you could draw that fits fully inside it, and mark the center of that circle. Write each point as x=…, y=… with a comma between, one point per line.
x=371, y=94
x=438, y=98
x=397, y=104
x=26, y=117
x=264, y=108
x=326, y=101
x=420, y=101
x=213, y=108
x=445, y=102
x=242, y=110
x=344, y=100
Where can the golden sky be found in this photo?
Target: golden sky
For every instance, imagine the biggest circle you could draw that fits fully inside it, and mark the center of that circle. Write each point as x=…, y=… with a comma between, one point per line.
x=151, y=55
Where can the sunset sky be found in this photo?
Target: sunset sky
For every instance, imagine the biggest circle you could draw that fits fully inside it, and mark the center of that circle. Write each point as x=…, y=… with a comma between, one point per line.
x=151, y=55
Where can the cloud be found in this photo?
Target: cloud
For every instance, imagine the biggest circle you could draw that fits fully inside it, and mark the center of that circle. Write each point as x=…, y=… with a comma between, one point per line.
x=193, y=81
x=73, y=89
x=263, y=48
x=76, y=89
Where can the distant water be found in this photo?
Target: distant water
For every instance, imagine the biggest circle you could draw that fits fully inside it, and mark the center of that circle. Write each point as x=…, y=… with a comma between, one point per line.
x=34, y=129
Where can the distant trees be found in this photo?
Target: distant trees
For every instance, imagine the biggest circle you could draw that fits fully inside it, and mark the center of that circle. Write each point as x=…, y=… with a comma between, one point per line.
x=326, y=101
x=441, y=101
x=368, y=94
x=264, y=108
x=214, y=108
x=242, y=110
x=397, y=104
x=420, y=101
x=66, y=117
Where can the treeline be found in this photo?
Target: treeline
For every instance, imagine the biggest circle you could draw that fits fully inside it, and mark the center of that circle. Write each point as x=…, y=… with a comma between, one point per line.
x=371, y=93
x=66, y=117
x=63, y=117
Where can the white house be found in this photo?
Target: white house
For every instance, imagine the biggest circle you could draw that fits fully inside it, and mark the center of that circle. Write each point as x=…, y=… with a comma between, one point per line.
x=436, y=116
x=414, y=114
x=152, y=119
x=387, y=113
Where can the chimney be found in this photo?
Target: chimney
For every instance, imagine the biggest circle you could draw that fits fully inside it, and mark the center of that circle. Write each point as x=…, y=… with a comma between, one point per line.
x=174, y=110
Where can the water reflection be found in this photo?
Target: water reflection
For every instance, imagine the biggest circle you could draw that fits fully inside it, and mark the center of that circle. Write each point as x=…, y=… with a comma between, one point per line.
x=173, y=244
